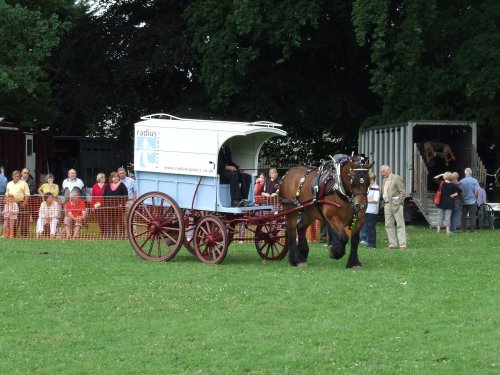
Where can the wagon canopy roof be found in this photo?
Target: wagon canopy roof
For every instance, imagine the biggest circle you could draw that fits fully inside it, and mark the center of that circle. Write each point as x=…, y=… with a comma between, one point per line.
x=242, y=128
x=186, y=146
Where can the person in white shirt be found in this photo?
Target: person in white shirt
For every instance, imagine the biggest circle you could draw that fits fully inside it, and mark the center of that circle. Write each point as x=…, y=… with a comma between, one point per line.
x=71, y=183
x=131, y=186
x=372, y=212
x=129, y=183
x=48, y=214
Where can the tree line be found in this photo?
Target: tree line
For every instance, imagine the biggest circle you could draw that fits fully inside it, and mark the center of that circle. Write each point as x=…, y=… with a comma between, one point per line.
x=322, y=68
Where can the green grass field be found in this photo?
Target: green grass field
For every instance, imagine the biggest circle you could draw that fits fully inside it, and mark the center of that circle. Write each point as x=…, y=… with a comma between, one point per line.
x=95, y=307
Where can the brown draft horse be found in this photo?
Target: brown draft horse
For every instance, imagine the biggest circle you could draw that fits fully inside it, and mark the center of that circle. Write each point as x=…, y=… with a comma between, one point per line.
x=338, y=190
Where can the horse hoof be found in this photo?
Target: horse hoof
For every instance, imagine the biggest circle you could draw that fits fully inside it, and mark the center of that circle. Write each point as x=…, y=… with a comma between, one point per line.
x=304, y=264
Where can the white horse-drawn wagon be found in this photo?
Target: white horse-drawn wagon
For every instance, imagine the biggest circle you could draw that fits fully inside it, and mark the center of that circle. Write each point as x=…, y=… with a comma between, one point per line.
x=182, y=201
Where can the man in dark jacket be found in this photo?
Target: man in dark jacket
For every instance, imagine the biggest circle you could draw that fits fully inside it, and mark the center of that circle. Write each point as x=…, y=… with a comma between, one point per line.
x=231, y=174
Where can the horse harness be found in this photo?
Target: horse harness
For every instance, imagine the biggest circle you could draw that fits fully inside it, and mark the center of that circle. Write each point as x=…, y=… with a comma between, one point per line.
x=329, y=170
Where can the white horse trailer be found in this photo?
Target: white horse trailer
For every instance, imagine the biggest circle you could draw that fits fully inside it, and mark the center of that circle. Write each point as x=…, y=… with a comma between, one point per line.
x=419, y=150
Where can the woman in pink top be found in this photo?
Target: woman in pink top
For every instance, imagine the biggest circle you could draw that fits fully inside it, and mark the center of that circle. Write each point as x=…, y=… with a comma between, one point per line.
x=116, y=196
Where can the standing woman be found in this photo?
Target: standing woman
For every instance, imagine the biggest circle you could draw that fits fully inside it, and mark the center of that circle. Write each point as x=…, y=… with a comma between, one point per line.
x=448, y=191
x=49, y=187
x=116, y=194
x=97, y=202
x=372, y=212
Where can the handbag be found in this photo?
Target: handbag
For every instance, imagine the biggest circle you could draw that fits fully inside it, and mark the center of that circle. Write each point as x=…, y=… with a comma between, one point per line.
x=437, y=197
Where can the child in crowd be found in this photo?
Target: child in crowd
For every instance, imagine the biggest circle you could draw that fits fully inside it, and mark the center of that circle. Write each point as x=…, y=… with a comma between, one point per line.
x=10, y=212
x=48, y=214
x=259, y=184
x=75, y=214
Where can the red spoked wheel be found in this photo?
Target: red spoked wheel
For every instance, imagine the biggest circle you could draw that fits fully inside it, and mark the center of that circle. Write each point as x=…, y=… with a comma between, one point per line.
x=155, y=227
x=210, y=239
x=271, y=240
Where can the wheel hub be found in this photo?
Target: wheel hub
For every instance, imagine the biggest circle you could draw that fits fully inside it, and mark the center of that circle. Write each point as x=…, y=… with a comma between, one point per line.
x=153, y=227
x=210, y=240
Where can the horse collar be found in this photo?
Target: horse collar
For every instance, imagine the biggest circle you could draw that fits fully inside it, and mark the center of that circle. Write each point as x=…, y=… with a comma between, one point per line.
x=338, y=161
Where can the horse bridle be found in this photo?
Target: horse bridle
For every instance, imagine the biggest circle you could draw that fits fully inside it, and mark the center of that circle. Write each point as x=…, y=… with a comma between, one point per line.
x=350, y=197
x=361, y=181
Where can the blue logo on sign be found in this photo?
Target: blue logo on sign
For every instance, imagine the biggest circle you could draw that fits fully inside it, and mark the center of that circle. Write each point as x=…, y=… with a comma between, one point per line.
x=145, y=151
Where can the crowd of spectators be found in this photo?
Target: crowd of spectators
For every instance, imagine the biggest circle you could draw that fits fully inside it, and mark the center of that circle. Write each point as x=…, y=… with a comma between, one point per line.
x=62, y=213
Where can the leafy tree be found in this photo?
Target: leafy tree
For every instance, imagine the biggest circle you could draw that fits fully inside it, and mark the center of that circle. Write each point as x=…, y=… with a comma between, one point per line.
x=29, y=32
x=294, y=62
x=434, y=60
x=127, y=59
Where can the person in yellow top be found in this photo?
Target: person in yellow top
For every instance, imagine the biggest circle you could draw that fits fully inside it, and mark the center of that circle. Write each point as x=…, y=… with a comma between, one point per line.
x=21, y=192
x=49, y=186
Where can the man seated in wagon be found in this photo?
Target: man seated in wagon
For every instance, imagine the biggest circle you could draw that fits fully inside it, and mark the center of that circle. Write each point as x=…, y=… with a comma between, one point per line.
x=230, y=173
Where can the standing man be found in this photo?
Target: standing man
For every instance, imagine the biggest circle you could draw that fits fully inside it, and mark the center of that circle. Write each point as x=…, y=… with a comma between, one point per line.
x=3, y=187
x=129, y=183
x=28, y=178
x=21, y=192
x=131, y=186
x=481, y=198
x=71, y=183
x=393, y=193
x=3, y=181
x=470, y=188
x=457, y=204
x=231, y=174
